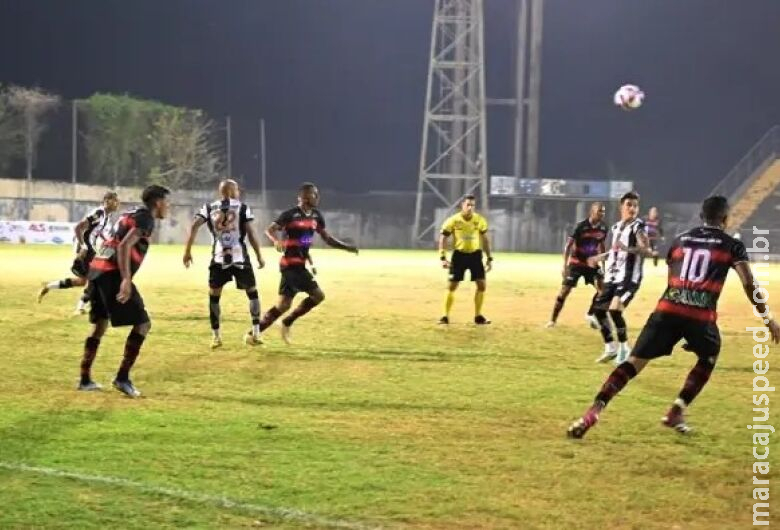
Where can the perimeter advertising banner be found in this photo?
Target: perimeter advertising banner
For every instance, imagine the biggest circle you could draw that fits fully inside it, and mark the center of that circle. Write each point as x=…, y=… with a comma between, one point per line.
x=39, y=232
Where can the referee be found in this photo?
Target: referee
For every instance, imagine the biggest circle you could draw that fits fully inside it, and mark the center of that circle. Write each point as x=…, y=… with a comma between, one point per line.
x=469, y=233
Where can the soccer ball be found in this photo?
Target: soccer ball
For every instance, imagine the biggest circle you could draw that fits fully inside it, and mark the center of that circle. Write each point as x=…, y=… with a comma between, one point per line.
x=629, y=97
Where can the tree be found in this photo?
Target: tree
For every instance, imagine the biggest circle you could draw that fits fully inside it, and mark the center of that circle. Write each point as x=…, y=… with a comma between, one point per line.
x=31, y=104
x=187, y=155
x=11, y=137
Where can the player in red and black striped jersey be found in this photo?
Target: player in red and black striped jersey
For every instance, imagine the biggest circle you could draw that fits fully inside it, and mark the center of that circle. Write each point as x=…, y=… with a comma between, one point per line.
x=654, y=230
x=114, y=297
x=88, y=234
x=299, y=224
x=699, y=262
x=585, y=241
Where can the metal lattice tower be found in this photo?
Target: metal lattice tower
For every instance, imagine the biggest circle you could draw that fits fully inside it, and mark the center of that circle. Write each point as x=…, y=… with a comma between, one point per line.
x=454, y=152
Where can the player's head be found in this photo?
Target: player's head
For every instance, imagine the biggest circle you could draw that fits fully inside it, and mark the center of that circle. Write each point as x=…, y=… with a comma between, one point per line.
x=652, y=213
x=228, y=189
x=715, y=211
x=155, y=197
x=597, y=212
x=308, y=195
x=110, y=201
x=629, y=206
x=467, y=204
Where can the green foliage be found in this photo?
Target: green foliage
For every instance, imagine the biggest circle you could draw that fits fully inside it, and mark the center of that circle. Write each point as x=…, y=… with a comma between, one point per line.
x=11, y=133
x=131, y=141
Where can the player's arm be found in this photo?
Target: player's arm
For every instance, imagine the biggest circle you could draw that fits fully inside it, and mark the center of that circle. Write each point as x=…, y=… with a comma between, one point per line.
x=79, y=230
x=271, y=233
x=642, y=246
x=443, y=237
x=751, y=286
x=123, y=261
x=197, y=222
x=335, y=243
x=567, y=250
x=252, y=237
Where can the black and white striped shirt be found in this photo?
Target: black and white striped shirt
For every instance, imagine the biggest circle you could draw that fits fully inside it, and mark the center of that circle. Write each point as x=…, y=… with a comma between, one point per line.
x=624, y=266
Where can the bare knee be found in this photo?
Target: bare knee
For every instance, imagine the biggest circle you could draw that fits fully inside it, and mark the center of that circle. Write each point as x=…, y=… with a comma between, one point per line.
x=317, y=296
x=99, y=329
x=481, y=286
x=142, y=329
x=284, y=304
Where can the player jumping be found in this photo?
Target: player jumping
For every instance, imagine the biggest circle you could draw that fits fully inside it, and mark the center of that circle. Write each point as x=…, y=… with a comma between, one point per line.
x=623, y=277
x=585, y=241
x=89, y=234
x=230, y=222
x=469, y=233
x=299, y=225
x=113, y=295
x=699, y=261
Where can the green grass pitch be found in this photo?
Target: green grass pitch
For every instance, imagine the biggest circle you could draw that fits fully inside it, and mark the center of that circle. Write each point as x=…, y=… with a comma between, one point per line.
x=374, y=417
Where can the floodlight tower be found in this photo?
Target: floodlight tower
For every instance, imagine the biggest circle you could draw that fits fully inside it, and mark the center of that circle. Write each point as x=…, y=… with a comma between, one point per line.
x=454, y=151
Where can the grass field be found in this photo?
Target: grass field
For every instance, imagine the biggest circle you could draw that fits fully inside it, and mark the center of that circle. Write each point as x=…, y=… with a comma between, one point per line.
x=375, y=417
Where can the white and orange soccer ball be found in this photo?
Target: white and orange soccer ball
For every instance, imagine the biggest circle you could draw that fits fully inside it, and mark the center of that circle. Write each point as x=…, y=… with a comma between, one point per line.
x=629, y=97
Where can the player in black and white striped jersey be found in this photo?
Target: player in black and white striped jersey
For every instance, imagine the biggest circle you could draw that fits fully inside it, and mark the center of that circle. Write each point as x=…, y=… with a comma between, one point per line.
x=623, y=276
x=89, y=234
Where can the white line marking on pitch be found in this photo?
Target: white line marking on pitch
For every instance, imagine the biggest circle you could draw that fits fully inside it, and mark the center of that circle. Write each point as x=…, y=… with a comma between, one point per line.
x=288, y=514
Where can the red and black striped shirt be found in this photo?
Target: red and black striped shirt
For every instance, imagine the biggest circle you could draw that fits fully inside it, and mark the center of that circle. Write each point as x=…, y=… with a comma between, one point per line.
x=699, y=261
x=106, y=259
x=587, y=241
x=299, y=228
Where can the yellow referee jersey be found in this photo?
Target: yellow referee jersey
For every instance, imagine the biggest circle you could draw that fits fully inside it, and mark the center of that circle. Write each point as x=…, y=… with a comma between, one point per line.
x=465, y=232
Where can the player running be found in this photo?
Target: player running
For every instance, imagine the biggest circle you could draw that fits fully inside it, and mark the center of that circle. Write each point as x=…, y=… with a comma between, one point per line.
x=299, y=225
x=655, y=232
x=89, y=234
x=113, y=295
x=699, y=261
x=623, y=277
x=230, y=221
x=469, y=233
x=585, y=241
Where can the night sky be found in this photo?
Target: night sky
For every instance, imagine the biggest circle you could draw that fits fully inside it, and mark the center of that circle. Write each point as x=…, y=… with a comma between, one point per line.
x=341, y=83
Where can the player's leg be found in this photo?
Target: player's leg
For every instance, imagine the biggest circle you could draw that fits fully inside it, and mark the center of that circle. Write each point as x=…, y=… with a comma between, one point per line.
x=704, y=340
x=590, y=317
x=218, y=277
x=131, y=313
x=245, y=280
x=135, y=339
x=653, y=245
x=91, y=346
x=67, y=283
x=657, y=339
x=457, y=273
x=601, y=306
x=560, y=300
x=286, y=296
x=623, y=296
x=81, y=305
x=306, y=284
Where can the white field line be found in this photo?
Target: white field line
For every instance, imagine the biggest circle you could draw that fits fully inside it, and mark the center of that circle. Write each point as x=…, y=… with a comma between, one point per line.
x=287, y=514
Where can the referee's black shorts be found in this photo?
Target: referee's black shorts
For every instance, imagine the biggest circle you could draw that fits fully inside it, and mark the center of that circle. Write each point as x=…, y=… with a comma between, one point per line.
x=466, y=261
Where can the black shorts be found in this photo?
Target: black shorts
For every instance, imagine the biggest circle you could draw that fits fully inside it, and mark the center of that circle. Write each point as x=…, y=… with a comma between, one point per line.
x=80, y=265
x=104, y=305
x=575, y=272
x=662, y=331
x=466, y=261
x=218, y=277
x=296, y=280
x=624, y=290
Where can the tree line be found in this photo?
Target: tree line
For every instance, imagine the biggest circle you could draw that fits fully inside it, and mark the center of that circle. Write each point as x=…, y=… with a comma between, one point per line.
x=126, y=140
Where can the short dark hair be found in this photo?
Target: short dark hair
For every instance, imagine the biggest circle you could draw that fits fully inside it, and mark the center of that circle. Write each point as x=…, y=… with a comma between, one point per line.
x=107, y=196
x=153, y=193
x=628, y=196
x=306, y=186
x=469, y=197
x=715, y=209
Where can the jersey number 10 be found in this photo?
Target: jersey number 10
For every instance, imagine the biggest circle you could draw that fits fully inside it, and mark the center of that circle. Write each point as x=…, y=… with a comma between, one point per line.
x=695, y=264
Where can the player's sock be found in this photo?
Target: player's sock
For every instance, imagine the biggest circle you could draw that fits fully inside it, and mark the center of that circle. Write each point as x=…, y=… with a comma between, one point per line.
x=214, y=313
x=254, y=310
x=306, y=305
x=67, y=283
x=132, y=349
x=619, y=377
x=592, y=308
x=90, y=351
x=604, y=325
x=620, y=324
x=269, y=318
x=479, y=299
x=697, y=378
x=557, y=309
x=448, y=302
